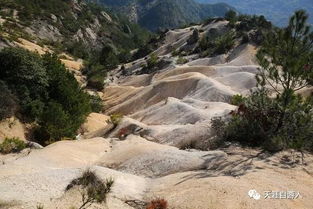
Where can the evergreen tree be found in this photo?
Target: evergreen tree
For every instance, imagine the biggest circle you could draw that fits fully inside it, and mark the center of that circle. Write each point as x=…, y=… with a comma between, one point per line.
x=286, y=60
x=286, y=56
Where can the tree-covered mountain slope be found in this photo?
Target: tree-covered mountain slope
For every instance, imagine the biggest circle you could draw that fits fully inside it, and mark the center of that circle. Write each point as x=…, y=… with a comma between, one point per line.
x=160, y=14
x=67, y=23
x=277, y=11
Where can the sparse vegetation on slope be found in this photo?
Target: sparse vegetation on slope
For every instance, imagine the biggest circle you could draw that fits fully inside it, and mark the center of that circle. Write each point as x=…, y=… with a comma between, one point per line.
x=10, y=145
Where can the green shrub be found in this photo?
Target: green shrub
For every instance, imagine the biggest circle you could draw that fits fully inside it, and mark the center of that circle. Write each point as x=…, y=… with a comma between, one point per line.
x=10, y=145
x=224, y=43
x=231, y=16
x=70, y=102
x=78, y=49
x=181, y=61
x=116, y=119
x=8, y=102
x=247, y=23
x=175, y=53
x=143, y=51
x=96, y=103
x=257, y=123
x=47, y=93
x=152, y=61
x=96, y=81
x=57, y=122
x=245, y=38
x=108, y=57
x=92, y=188
x=237, y=100
x=217, y=45
x=25, y=75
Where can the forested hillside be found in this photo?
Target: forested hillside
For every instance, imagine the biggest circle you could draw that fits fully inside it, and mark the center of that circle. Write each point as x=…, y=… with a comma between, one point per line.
x=161, y=14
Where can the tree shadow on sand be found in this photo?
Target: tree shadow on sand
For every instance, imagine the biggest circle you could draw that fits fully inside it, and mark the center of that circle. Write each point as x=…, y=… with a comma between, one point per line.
x=240, y=161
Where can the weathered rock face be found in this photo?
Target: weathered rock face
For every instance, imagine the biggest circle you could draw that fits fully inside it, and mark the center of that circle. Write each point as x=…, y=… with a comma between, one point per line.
x=44, y=30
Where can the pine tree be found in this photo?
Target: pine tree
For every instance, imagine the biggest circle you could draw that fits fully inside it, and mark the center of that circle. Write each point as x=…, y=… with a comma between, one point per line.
x=286, y=60
x=286, y=57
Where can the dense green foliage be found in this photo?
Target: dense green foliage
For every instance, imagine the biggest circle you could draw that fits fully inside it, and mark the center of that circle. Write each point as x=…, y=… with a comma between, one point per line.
x=217, y=46
x=10, y=145
x=68, y=105
x=8, y=101
x=26, y=77
x=241, y=29
x=257, y=123
x=231, y=15
x=96, y=103
x=237, y=100
x=47, y=93
x=289, y=65
x=284, y=121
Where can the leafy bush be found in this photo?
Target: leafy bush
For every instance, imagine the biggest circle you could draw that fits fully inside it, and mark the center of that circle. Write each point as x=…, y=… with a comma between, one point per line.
x=96, y=103
x=56, y=122
x=231, y=16
x=26, y=76
x=237, y=100
x=116, y=119
x=68, y=105
x=224, y=43
x=247, y=23
x=10, y=145
x=181, y=60
x=256, y=123
x=96, y=74
x=92, y=188
x=108, y=57
x=175, y=53
x=152, y=61
x=8, y=102
x=78, y=49
x=216, y=46
x=96, y=81
x=143, y=51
